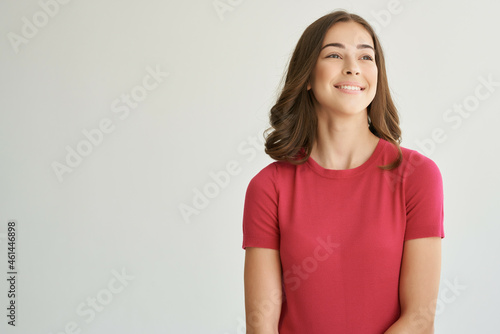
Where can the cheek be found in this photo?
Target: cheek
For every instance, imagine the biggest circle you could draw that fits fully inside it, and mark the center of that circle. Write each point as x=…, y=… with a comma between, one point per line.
x=373, y=74
x=323, y=74
x=320, y=77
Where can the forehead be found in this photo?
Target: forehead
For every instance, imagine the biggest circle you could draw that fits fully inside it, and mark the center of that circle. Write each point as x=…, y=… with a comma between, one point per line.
x=348, y=33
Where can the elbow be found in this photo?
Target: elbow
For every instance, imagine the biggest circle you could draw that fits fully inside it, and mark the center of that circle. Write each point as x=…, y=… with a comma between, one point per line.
x=428, y=329
x=420, y=322
x=262, y=331
x=256, y=323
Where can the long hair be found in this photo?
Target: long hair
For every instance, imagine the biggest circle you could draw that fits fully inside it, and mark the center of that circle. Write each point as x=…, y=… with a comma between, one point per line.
x=293, y=118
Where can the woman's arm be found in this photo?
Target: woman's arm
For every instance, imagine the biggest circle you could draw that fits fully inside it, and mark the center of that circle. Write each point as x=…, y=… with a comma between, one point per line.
x=263, y=292
x=418, y=286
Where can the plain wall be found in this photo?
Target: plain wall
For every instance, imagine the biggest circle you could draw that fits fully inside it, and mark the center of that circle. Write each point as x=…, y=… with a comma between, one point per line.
x=159, y=97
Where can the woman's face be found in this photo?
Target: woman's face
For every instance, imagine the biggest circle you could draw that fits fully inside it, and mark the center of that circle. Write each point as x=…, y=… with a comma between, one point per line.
x=350, y=60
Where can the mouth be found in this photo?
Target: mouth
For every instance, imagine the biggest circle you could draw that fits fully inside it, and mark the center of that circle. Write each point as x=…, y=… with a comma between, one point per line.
x=349, y=87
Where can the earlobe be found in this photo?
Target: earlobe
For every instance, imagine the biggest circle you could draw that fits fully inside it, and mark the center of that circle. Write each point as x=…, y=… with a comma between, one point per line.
x=308, y=86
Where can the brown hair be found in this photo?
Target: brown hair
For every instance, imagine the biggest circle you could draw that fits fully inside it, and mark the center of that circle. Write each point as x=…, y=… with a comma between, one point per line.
x=293, y=117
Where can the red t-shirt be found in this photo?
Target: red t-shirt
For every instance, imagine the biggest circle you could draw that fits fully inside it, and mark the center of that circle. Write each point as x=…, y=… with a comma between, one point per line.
x=340, y=234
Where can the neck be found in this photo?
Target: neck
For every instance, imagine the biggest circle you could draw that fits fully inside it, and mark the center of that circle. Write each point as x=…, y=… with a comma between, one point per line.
x=343, y=142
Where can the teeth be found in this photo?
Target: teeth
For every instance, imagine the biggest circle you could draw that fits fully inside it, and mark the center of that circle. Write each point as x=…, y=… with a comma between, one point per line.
x=350, y=87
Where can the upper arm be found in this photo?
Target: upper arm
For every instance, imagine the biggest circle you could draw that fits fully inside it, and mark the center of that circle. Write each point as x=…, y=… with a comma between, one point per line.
x=424, y=198
x=260, y=212
x=263, y=289
x=419, y=282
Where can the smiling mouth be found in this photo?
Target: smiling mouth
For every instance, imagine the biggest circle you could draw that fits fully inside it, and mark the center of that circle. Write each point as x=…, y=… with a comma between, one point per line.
x=355, y=88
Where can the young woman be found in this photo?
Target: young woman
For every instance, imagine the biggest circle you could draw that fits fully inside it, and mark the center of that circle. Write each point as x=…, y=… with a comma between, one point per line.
x=342, y=233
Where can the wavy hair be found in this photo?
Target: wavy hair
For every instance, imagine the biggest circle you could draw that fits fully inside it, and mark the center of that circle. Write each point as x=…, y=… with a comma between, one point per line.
x=293, y=118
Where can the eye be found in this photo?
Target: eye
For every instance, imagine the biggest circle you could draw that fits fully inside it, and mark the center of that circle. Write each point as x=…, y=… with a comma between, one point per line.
x=333, y=54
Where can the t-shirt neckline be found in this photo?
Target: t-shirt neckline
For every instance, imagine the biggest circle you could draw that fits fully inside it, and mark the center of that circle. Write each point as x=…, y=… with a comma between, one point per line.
x=343, y=173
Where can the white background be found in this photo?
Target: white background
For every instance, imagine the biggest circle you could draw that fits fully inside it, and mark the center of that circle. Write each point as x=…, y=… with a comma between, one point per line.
x=118, y=210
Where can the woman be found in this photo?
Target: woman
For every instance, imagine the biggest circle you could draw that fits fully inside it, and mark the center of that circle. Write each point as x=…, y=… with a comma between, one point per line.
x=343, y=232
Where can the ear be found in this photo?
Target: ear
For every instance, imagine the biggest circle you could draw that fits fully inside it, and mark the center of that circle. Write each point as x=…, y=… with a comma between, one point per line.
x=308, y=86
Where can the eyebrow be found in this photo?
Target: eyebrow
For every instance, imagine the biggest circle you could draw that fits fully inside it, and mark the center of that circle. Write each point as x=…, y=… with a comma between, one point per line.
x=342, y=46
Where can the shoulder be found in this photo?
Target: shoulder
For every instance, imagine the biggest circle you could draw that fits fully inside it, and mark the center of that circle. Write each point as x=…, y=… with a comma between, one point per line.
x=413, y=161
x=265, y=174
x=270, y=177
x=424, y=196
x=420, y=173
x=264, y=179
x=418, y=165
x=262, y=190
x=273, y=171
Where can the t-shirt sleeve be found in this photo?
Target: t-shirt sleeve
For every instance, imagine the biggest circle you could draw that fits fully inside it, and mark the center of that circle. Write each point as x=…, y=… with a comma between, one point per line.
x=260, y=213
x=424, y=198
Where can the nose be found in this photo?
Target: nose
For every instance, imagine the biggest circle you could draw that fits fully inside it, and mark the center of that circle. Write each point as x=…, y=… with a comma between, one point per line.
x=351, y=67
